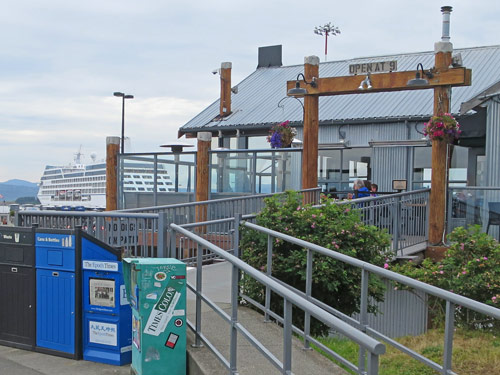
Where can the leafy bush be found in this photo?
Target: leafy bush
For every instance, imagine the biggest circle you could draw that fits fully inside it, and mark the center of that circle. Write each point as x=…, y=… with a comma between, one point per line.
x=469, y=268
x=335, y=227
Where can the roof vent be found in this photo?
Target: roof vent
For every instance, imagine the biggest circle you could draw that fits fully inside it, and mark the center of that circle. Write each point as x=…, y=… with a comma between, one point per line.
x=269, y=56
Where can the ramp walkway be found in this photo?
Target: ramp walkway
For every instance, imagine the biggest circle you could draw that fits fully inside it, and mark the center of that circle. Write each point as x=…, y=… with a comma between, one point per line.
x=216, y=285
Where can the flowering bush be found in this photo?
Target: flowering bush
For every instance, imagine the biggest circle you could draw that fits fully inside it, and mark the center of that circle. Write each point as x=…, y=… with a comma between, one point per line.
x=442, y=127
x=281, y=135
x=335, y=227
x=469, y=268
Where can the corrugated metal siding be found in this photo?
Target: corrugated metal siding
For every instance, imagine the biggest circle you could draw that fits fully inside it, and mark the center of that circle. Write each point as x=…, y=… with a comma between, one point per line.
x=492, y=159
x=360, y=135
x=256, y=104
x=402, y=313
x=492, y=142
x=388, y=163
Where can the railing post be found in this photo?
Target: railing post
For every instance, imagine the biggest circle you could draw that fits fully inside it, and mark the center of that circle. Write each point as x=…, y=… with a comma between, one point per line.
x=449, y=210
x=396, y=214
x=267, y=302
x=236, y=235
x=448, y=336
x=372, y=364
x=363, y=316
x=307, y=316
x=162, y=235
x=199, y=267
x=172, y=252
x=287, y=337
x=235, y=277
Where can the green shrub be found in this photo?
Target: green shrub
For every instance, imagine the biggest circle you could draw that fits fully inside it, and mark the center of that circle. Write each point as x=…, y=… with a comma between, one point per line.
x=335, y=227
x=470, y=268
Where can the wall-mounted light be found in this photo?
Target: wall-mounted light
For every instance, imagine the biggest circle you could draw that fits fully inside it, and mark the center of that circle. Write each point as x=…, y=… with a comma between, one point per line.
x=419, y=80
x=299, y=90
x=400, y=143
x=366, y=82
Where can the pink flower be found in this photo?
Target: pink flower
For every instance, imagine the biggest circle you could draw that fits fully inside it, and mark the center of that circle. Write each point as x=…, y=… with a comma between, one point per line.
x=346, y=210
x=313, y=216
x=262, y=268
x=313, y=225
x=441, y=272
x=298, y=208
x=386, y=266
x=464, y=272
x=485, y=258
x=494, y=299
x=462, y=246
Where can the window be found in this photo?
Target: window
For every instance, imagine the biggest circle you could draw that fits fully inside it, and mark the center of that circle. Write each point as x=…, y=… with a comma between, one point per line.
x=422, y=162
x=338, y=169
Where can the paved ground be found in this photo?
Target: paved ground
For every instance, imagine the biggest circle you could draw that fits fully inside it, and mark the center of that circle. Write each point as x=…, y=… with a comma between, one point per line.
x=23, y=362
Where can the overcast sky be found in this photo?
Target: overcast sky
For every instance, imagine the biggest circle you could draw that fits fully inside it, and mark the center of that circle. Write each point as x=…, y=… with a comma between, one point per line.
x=61, y=61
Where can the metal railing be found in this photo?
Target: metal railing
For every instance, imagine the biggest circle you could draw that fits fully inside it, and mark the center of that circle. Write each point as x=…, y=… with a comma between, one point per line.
x=403, y=215
x=140, y=235
x=452, y=301
x=184, y=213
x=367, y=343
x=144, y=231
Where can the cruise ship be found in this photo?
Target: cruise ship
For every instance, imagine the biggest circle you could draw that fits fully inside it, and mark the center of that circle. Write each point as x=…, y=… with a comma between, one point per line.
x=83, y=186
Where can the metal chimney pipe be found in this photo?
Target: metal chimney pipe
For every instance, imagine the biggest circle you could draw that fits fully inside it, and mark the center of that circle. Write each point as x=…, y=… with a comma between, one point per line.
x=446, y=10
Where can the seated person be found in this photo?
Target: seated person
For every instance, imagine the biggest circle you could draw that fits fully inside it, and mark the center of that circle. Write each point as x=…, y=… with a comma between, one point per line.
x=360, y=190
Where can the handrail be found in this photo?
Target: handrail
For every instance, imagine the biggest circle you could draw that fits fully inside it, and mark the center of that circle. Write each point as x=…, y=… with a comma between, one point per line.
x=381, y=197
x=210, y=201
x=113, y=214
x=362, y=339
x=430, y=289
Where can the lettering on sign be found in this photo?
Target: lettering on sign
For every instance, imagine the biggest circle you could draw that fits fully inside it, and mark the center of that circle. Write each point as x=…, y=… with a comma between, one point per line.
x=103, y=333
x=374, y=67
x=121, y=233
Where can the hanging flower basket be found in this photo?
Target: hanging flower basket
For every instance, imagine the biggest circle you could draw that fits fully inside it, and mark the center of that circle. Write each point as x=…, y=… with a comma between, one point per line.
x=281, y=135
x=443, y=127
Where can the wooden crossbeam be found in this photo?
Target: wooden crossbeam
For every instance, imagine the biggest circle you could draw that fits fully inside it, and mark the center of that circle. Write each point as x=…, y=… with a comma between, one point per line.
x=383, y=82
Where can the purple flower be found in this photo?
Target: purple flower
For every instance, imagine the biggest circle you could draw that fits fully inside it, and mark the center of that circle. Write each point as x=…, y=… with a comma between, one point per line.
x=276, y=140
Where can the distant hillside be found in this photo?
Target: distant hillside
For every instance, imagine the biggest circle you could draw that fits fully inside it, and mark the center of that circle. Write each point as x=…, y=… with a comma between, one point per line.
x=13, y=189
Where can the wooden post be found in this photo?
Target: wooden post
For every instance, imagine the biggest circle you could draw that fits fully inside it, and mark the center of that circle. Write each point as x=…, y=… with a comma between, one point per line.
x=112, y=150
x=225, y=89
x=202, y=173
x=438, y=179
x=311, y=115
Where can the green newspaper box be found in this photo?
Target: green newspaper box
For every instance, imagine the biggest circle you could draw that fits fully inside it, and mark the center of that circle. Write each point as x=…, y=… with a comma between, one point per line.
x=156, y=290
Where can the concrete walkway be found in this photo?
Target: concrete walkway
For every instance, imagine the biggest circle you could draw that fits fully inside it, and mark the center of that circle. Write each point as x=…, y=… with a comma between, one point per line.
x=23, y=362
x=215, y=285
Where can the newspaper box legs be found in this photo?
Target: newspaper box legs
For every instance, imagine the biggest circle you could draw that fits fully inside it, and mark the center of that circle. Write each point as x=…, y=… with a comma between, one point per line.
x=156, y=289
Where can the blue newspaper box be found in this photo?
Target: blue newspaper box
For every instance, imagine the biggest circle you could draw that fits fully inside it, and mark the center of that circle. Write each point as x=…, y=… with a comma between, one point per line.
x=107, y=316
x=58, y=297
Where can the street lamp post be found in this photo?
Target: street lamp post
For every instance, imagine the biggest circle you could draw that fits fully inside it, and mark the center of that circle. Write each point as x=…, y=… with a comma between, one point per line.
x=123, y=96
x=326, y=30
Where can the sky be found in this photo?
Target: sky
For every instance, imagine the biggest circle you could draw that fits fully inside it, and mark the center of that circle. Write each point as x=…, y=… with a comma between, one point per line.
x=61, y=61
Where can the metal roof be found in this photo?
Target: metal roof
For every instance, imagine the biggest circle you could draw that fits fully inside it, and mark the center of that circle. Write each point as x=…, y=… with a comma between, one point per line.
x=256, y=103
